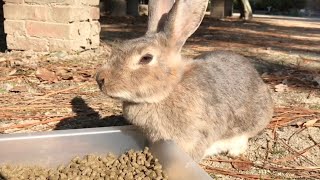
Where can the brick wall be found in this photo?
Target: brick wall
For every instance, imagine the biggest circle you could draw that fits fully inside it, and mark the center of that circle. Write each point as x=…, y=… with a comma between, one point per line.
x=51, y=25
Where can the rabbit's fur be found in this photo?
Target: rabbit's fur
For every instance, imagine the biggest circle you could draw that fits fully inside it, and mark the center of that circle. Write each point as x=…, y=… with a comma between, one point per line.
x=206, y=105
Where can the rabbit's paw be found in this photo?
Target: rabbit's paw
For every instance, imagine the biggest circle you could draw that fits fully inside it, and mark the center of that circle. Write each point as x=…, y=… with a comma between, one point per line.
x=234, y=146
x=239, y=149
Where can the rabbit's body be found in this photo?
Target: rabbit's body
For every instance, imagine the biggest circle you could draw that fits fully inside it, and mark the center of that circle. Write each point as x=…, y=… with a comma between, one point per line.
x=220, y=99
x=208, y=105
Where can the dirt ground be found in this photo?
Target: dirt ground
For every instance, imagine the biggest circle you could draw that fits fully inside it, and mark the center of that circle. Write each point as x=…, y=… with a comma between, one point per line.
x=53, y=91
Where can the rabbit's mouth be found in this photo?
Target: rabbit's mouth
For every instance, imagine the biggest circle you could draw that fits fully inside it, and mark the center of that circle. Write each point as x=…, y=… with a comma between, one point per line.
x=116, y=98
x=123, y=96
x=109, y=94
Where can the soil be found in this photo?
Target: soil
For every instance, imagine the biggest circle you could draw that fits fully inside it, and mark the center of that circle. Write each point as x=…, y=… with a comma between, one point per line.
x=57, y=90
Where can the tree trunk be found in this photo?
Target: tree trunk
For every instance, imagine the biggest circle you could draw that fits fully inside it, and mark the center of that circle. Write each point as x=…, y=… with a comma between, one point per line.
x=104, y=5
x=221, y=8
x=228, y=7
x=108, y=4
x=245, y=10
x=119, y=8
x=132, y=7
x=217, y=9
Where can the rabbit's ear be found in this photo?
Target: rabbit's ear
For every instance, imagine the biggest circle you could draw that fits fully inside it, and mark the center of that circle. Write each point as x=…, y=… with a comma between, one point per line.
x=157, y=12
x=183, y=20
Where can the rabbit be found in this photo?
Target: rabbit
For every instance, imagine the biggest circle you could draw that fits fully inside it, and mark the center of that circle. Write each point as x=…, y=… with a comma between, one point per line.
x=208, y=105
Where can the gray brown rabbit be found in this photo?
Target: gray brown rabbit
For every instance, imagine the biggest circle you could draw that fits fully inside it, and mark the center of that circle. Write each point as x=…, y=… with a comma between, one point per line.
x=208, y=105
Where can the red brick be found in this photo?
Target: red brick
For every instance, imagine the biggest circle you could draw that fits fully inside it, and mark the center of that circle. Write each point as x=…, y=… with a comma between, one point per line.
x=86, y=29
x=15, y=27
x=25, y=12
x=83, y=29
x=71, y=14
x=60, y=2
x=88, y=13
x=91, y=2
x=89, y=42
x=50, y=30
x=58, y=45
x=14, y=1
x=63, y=2
x=46, y=13
x=94, y=13
x=95, y=28
x=63, y=13
x=26, y=43
x=84, y=43
x=75, y=45
x=95, y=41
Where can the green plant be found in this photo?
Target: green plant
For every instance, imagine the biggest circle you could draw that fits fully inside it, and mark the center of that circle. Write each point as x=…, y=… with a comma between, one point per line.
x=316, y=106
x=2, y=91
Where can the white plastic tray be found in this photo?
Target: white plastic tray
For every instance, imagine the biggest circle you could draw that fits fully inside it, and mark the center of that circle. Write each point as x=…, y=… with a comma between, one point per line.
x=48, y=149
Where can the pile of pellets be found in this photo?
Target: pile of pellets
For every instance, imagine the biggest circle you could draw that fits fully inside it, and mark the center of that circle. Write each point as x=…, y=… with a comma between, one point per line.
x=133, y=165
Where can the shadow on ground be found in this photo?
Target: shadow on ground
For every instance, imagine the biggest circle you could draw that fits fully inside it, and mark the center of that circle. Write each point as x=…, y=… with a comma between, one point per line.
x=86, y=117
x=257, y=33
x=2, y=177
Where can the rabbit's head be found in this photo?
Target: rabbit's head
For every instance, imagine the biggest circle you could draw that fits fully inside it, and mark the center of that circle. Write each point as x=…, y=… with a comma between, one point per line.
x=146, y=69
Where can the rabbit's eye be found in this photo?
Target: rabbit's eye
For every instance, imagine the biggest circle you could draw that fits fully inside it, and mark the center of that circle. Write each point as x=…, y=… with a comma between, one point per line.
x=146, y=59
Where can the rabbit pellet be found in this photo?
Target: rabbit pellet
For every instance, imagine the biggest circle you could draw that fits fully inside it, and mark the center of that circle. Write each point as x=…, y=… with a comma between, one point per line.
x=133, y=165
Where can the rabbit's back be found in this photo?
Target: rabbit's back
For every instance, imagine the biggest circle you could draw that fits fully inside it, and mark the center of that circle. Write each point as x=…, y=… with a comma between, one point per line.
x=234, y=92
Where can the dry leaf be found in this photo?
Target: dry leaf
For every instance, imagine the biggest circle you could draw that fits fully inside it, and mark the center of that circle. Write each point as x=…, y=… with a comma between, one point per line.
x=310, y=123
x=68, y=76
x=46, y=75
x=64, y=74
x=4, y=71
x=280, y=87
x=2, y=59
x=243, y=166
x=60, y=71
x=79, y=79
x=85, y=74
x=241, y=163
x=13, y=72
x=299, y=123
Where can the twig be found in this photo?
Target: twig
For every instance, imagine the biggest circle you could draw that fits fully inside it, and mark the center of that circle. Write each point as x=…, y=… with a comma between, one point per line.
x=296, y=132
x=56, y=92
x=236, y=174
x=8, y=78
x=296, y=110
x=25, y=117
x=34, y=123
x=287, y=116
x=267, y=153
x=312, y=139
x=230, y=161
x=297, y=153
x=37, y=106
x=300, y=172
